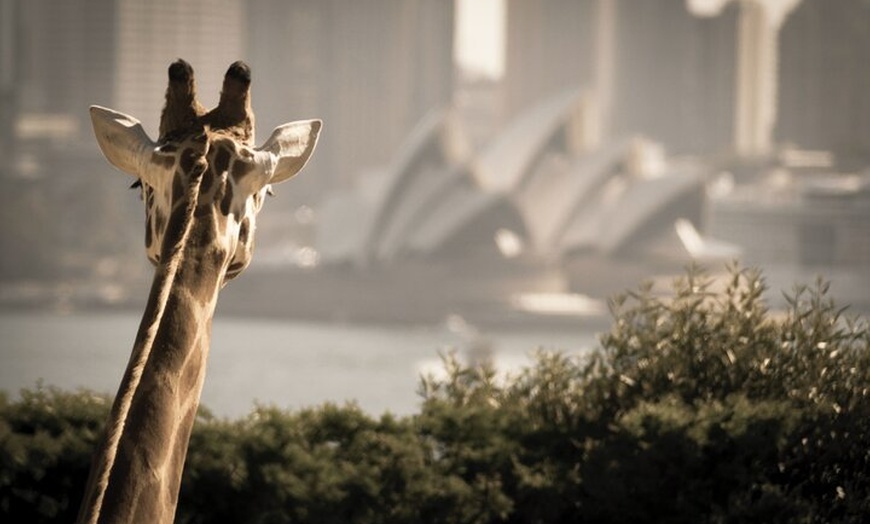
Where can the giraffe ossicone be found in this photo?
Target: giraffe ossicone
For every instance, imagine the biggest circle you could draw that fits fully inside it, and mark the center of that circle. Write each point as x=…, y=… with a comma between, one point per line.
x=203, y=183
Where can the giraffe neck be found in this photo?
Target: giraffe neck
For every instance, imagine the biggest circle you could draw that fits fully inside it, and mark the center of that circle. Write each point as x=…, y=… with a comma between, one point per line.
x=136, y=474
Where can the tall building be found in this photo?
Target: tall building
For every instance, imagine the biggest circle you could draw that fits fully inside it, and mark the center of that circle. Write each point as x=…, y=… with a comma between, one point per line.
x=371, y=69
x=651, y=67
x=551, y=47
x=63, y=56
x=150, y=35
x=115, y=53
x=9, y=73
x=63, y=61
x=756, y=86
x=675, y=75
x=824, y=80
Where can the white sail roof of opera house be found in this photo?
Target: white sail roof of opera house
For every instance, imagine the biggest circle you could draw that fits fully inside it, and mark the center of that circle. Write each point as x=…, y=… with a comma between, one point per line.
x=573, y=199
x=505, y=162
x=629, y=205
x=532, y=179
x=421, y=203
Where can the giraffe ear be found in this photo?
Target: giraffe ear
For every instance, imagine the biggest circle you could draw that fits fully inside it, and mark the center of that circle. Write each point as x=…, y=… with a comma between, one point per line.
x=290, y=146
x=122, y=139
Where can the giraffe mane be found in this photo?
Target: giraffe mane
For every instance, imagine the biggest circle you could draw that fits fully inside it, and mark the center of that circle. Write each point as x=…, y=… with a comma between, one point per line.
x=164, y=280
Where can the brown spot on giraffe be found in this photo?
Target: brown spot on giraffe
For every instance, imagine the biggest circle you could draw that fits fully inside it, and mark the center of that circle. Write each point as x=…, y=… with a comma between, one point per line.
x=240, y=169
x=244, y=231
x=149, y=232
x=227, y=200
x=221, y=160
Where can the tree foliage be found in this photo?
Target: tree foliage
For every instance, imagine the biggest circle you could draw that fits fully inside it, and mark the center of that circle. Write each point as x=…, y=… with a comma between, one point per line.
x=699, y=405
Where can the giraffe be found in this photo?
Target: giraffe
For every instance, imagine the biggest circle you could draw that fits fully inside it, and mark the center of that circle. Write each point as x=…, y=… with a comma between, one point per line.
x=203, y=184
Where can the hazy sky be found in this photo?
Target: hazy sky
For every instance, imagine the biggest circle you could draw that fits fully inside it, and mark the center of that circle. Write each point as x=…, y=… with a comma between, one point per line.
x=480, y=36
x=777, y=8
x=480, y=29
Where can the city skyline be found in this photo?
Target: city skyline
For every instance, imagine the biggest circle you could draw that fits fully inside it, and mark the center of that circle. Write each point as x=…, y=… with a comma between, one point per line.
x=384, y=78
x=481, y=28
x=722, y=76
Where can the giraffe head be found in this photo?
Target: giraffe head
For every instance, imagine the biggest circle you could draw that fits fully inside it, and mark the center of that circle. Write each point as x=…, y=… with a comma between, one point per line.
x=203, y=181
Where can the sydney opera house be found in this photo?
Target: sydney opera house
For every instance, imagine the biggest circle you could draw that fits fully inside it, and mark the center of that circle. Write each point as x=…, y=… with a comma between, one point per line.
x=623, y=141
x=537, y=200
x=653, y=153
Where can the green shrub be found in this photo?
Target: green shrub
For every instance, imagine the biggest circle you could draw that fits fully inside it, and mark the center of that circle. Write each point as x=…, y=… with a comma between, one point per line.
x=330, y=464
x=46, y=441
x=699, y=406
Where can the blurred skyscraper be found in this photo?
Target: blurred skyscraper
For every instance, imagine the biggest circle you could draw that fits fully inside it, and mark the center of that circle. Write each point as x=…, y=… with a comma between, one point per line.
x=824, y=100
x=57, y=58
x=71, y=54
x=653, y=68
x=675, y=75
x=150, y=35
x=9, y=62
x=756, y=86
x=551, y=48
x=371, y=69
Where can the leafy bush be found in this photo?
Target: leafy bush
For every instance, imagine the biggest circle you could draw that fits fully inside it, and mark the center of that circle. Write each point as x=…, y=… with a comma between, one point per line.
x=331, y=464
x=698, y=406
x=46, y=441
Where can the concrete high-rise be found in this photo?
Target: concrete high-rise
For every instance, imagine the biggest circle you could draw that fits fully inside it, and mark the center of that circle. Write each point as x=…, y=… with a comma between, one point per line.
x=115, y=53
x=9, y=73
x=551, y=47
x=371, y=69
x=651, y=67
x=61, y=60
x=675, y=75
x=150, y=35
x=824, y=79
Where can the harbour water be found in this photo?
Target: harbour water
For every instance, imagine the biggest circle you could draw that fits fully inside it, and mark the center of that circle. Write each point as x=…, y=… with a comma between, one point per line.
x=288, y=364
